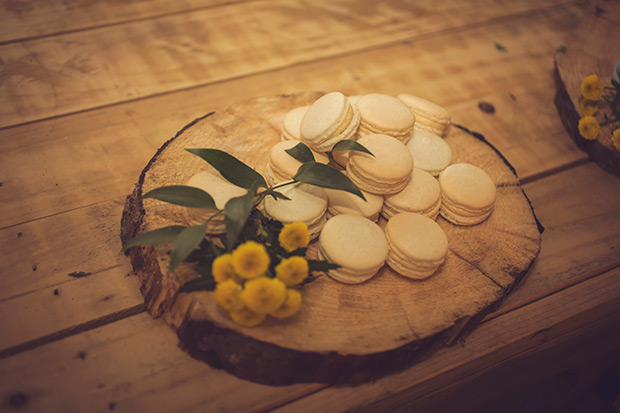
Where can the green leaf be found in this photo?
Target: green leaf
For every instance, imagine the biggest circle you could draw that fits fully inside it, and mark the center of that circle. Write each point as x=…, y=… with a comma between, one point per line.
x=350, y=145
x=198, y=284
x=500, y=47
x=231, y=168
x=616, y=73
x=185, y=243
x=326, y=177
x=157, y=236
x=236, y=212
x=78, y=274
x=188, y=196
x=316, y=265
x=301, y=152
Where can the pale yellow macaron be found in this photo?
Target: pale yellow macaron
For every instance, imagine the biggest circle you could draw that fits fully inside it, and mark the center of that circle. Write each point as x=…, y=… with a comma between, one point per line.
x=292, y=122
x=429, y=116
x=422, y=195
x=417, y=245
x=282, y=166
x=467, y=194
x=387, y=172
x=386, y=115
x=307, y=203
x=430, y=151
x=355, y=243
x=343, y=202
x=221, y=191
x=329, y=120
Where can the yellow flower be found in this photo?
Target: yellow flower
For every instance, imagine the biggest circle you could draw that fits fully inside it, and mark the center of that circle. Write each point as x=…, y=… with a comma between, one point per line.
x=263, y=295
x=290, y=306
x=222, y=269
x=615, y=139
x=228, y=295
x=250, y=260
x=592, y=87
x=589, y=127
x=246, y=317
x=588, y=107
x=292, y=270
x=294, y=236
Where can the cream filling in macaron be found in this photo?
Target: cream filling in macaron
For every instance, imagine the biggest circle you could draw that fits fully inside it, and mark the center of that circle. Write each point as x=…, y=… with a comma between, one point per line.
x=461, y=215
x=348, y=275
x=373, y=184
x=367, y=129
x=390, y=210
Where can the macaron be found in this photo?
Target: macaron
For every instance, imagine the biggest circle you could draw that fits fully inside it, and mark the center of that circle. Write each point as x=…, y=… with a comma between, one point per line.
x=343, y=202
x=292, y=122
x=355, y=243
x=387, y=172
x=307, y=203
x=430, y=152
x=282, y=166
x=422, y=195
x=221, y=191
x=429, y=116
x=386, y=115
x=329, y=120
x=467, y=194
x=417, y=245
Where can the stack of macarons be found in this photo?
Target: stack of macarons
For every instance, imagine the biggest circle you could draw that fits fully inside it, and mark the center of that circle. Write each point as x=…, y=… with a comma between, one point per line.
x=386, y=115
x=429, y=116
x=221, y=191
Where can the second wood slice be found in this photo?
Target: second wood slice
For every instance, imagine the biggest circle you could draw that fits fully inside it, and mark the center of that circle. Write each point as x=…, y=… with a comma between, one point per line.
x=343, y=333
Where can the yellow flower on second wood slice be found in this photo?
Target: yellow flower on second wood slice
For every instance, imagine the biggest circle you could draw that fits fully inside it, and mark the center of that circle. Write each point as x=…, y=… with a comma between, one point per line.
x=615, y=139
x=263, y=295
x=250, y=260
x=228, y=295
x=589, y=127
x=294, y=236
x=247, y=318
x=291, y=305
x=293, y=270
x=592, y=87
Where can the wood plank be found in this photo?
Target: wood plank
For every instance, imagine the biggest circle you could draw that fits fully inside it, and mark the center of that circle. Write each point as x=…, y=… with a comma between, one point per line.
x=550, y=322
x=108, y=147
x=130, y=365
x=62, y=74
x=23, y=20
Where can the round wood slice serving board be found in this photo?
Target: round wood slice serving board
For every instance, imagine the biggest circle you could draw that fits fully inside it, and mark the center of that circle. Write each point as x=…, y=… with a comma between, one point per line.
x=593, y=47
x=343, y=333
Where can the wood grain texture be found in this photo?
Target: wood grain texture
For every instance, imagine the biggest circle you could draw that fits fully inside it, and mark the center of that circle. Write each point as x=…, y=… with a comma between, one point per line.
x=343, y=333
x=108, y=147
x=62, y=74
x=592, y=48
x=23, y=20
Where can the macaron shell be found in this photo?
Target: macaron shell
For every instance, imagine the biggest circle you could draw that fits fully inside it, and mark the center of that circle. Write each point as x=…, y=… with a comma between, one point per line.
x=384, y=114
x=422, y=195
x=391, y=160
x=307, y=203
x=292, y=122
x=430, y=151
x=468, y=186
x=417, y=237
x=429, y=115
x=354, y=242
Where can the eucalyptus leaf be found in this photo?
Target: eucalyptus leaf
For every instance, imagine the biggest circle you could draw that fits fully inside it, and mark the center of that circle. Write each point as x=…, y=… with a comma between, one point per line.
x=616, y=73
x=301, y=152
x=316, y=265
x=157, y=236
x=188, y=196
x=350, y=145
x=198, y=284
x=185, y=243
x=230, y=167
x=236, y=212
x=325, y=176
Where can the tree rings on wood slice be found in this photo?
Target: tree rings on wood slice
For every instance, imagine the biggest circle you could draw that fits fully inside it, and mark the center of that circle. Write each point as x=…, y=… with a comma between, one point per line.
x=343, y=333
x=592, y=48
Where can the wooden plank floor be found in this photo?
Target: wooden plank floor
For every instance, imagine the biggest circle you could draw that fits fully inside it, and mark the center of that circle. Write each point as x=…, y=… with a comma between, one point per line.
x=90, y=91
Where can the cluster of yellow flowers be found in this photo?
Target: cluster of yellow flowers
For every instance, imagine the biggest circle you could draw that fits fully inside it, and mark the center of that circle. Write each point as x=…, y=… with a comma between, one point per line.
x=589, y=126
x=249, y=287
